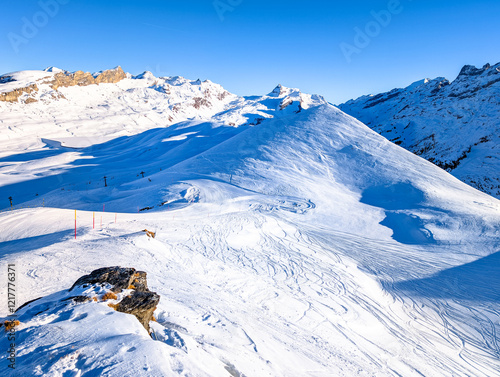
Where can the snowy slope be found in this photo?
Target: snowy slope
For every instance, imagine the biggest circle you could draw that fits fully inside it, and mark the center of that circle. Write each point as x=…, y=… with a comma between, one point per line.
x=95, y=113
x=292, y=240
x=455, y=125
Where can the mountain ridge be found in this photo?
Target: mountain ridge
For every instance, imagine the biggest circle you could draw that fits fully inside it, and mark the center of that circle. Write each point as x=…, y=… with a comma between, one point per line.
x=290, y=238
x=452, y=124
x=455, y=125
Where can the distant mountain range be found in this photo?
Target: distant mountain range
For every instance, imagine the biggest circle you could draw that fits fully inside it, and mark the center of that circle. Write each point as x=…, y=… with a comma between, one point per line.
x=455, y=125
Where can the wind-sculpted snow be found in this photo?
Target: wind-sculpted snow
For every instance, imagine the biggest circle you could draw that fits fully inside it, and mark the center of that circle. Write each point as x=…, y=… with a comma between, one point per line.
x=454, y=124
x=301, y=244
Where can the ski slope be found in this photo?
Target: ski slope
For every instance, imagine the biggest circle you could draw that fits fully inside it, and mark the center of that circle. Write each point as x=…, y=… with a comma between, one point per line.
x=292, y=240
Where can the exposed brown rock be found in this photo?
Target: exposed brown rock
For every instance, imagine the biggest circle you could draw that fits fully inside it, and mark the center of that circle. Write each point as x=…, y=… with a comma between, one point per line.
x=223, y=95
x=9, y=325
x=111, y=76
x=200, y=101
x=81, y=78
x=149, y=233
x=14, y=95
x=109, y=296
x=62, y=80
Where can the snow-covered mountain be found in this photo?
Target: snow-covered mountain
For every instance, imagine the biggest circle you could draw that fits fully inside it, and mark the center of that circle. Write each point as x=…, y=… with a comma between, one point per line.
x=455, y=125
x=56, y=103
x=291, y=240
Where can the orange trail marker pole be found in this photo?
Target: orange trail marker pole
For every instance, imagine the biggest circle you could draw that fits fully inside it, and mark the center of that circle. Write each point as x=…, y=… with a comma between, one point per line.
x=75, y=224
x=115, y=218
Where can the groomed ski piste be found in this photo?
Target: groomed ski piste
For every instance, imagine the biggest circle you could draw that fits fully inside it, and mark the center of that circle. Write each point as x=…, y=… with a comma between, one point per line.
x=291, y=240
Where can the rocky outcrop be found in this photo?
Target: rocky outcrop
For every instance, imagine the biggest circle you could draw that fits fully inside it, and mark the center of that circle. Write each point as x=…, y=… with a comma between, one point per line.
x=470, y=70
x=141, y=302
x=119, y=278
x=200, y=101
x=62, y=80
x=80, y=78
x=14, y=95
x=110, y=76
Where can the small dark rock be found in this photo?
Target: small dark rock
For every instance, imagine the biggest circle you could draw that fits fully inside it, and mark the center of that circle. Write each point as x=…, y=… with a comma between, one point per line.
x=141, y=302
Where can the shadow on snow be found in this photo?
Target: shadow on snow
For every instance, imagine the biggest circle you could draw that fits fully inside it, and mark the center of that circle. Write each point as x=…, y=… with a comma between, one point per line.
x=475, y=281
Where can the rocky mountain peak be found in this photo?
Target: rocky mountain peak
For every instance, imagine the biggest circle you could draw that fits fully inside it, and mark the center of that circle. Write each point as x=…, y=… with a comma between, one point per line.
x=471, y=71
x=277, y=91
x=452, y=124
x=80, y=78
x=26, y=84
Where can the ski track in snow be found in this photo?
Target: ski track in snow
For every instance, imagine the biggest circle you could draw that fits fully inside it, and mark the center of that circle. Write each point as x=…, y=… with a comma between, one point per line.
x=279, y=247
x=308, y=281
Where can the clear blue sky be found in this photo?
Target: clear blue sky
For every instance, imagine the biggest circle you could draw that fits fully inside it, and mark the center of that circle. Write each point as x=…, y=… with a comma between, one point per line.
x=249, y=46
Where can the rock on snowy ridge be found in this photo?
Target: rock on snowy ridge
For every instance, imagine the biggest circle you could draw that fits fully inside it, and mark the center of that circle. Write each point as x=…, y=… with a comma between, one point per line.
x=124, y=289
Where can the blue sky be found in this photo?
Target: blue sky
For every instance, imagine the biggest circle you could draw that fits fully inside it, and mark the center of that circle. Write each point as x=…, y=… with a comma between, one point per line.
x=338, y=49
